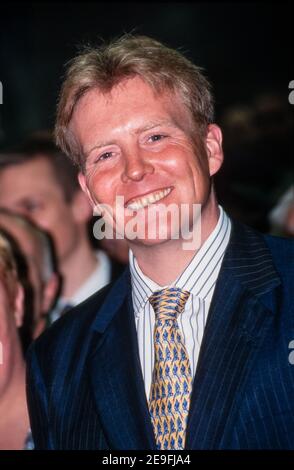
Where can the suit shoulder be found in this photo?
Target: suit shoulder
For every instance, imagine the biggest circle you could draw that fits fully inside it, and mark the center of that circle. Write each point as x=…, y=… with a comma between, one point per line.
x=71, y=325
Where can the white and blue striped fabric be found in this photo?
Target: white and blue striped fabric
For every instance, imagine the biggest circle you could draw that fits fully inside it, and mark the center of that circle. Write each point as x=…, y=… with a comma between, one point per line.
x=199, y=278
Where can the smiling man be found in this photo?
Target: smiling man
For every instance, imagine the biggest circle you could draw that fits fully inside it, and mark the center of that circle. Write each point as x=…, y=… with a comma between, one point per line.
x=188, y=349
x=146, y=155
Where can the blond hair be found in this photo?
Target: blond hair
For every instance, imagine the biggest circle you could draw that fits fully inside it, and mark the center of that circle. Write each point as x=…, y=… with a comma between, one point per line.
x=104, y=67
x=8, y=268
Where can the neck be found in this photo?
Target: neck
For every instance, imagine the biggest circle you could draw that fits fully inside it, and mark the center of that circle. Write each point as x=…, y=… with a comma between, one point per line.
x=14, y=417
x=171, y=256
x=13, y=390
x=77, y=267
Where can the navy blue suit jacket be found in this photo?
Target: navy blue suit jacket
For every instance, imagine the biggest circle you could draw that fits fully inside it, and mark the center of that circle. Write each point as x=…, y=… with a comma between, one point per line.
x=85, y=385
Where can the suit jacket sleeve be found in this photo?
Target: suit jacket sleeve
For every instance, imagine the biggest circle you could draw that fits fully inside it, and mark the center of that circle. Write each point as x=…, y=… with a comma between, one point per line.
x=38, y=403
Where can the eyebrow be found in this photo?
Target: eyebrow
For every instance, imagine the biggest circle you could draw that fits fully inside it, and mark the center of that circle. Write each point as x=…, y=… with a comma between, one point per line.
x=147, y=127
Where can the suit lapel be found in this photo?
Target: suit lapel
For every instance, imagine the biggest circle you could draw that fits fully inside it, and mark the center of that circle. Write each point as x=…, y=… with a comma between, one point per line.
x=236, y=327
x=116, y=376
x=237, y=324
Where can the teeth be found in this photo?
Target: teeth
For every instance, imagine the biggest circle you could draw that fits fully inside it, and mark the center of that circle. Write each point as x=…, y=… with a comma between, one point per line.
x=149, y=199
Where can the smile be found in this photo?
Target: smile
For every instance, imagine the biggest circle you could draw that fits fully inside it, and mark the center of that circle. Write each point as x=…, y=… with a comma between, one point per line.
x=148, y=199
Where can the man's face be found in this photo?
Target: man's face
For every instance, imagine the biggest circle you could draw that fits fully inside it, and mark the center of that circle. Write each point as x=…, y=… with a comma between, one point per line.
x=31, y=189
x=141, y=146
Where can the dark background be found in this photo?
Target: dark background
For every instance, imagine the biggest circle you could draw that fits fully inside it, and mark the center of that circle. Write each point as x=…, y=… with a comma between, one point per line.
x=245, y=48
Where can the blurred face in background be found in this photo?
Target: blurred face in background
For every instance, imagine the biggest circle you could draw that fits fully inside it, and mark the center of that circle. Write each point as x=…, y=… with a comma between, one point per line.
x=31, y=189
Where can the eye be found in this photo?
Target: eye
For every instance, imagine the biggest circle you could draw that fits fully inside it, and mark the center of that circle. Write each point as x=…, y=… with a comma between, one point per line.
x=157, y=137
x=31, y=206
x=104, y=156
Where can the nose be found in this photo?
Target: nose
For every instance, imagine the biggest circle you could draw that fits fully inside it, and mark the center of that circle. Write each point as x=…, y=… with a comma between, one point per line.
x=137, y=165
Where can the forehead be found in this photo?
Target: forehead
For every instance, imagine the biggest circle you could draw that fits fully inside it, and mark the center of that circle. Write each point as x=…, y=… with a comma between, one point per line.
x=131, y=90
x=130, y=104
x=27, y=178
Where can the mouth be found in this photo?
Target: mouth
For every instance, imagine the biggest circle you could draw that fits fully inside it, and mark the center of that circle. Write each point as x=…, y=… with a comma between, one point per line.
x=151, y=198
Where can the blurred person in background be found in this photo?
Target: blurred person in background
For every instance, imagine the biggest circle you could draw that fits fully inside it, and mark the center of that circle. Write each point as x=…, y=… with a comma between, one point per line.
x=249, y=184
x=14, y=420
x=37, y=181
x=281, y=216
x=44, y=281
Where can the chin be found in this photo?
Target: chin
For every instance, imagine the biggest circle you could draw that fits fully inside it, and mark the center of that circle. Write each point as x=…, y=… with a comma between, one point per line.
x=147, y=242
x=161, y=236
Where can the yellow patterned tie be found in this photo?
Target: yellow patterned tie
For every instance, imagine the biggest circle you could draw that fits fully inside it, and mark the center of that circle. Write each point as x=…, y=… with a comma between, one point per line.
x=172, y=380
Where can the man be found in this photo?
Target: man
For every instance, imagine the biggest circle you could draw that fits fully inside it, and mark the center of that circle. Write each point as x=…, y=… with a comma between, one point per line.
x=38, y=182
x=189, y=348
x=42, y=281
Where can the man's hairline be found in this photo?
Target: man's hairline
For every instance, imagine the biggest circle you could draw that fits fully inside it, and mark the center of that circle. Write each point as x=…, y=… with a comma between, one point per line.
x=168, y=90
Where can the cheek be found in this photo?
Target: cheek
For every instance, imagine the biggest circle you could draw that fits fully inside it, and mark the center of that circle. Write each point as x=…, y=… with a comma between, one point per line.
x=45, y=218
x=44, y=221
x=58, y=214
x=201, y=182
x=102, y=186
x=193, y=182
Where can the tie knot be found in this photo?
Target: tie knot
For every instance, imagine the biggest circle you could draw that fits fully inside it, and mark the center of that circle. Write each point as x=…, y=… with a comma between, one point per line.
x=168, y=303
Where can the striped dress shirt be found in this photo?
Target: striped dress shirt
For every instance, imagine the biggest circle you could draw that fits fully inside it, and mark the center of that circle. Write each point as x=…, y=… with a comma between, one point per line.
x=199, y=278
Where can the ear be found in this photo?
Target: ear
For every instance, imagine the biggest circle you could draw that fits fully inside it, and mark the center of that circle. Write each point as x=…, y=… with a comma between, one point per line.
x=85, y=189
x=214, y=148
x=19, y=305
x=50, y=292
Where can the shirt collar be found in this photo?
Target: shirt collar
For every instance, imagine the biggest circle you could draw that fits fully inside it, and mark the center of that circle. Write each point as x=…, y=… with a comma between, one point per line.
x=199, y=276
